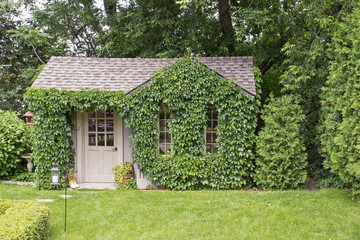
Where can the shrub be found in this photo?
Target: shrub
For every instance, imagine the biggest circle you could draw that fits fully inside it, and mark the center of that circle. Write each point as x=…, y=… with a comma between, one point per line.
x=23, y=220
x=14, y=141
x=281, y=157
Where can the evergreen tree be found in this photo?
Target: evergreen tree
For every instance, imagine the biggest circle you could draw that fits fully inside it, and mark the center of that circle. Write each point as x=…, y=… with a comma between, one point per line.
x=281, y=157
x=340, y=110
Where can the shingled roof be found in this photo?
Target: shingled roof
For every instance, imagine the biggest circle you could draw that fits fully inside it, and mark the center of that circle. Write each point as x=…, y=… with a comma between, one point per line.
x=113, y=74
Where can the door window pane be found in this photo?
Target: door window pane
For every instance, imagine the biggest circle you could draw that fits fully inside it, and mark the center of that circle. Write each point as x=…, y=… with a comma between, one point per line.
x=109, y=125
x=101, y=140
x=100, y=114
x=92, y=127
x=109, y=139
x=100, y=125
x=92, y=139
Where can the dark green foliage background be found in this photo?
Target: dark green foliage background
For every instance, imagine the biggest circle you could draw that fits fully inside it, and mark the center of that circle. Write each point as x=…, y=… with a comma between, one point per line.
x=281, y=156
x=14, y=141
x=188, y=88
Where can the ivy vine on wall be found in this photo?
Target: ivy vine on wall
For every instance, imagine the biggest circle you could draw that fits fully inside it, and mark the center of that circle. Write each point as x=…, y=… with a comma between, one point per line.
x=52, y=109
x=188, y=88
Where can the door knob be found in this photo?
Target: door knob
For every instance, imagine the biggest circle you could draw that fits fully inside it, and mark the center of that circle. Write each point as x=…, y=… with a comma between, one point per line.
x=115, y=149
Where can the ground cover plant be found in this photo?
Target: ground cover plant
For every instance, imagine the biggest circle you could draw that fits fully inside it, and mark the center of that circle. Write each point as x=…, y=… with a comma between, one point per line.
x=297, y=214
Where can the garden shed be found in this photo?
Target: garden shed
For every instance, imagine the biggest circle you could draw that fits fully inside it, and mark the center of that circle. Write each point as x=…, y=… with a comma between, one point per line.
x=187, y=123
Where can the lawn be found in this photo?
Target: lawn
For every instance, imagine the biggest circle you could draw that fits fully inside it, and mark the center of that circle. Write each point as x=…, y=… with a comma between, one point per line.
x=109, y=214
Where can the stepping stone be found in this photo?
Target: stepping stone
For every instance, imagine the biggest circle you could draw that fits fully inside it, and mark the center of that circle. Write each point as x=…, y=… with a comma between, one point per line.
x=44, y=200
x=67, y=196
x=90, y=191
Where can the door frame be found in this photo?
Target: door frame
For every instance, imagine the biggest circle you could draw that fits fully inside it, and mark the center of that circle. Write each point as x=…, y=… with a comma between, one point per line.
x=81, y=119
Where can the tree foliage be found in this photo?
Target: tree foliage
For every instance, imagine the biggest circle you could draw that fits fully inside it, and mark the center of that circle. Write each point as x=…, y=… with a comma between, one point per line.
x=306, y=64
x=13, y=70
x=340, y=131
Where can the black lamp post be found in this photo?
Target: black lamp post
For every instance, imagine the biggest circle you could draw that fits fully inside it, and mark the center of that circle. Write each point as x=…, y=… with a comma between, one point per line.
x=55, y=171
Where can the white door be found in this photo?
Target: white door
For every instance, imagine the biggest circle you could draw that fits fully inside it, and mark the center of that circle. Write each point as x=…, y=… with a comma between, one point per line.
x=102, y=145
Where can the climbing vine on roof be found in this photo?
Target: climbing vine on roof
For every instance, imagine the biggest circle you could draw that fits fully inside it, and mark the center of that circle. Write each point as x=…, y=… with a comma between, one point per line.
x=188, y=88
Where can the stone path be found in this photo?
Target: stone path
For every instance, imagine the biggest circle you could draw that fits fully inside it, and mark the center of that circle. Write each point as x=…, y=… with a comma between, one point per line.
x=111, y=186
x=44, y=200
x=67, y=196
x=18, y=183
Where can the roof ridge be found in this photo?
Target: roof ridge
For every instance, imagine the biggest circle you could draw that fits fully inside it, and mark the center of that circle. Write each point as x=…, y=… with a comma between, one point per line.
x=200, y=57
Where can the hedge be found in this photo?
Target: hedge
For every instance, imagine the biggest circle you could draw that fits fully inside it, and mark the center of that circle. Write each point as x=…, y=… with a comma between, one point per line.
x=23, y=220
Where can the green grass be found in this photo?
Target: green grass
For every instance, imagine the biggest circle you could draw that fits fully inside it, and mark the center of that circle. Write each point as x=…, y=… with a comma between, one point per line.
x=325, y=214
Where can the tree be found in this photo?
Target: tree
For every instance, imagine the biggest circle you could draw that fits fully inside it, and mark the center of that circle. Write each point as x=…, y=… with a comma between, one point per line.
x=76, y=26
x=14, y=61
x=281, y=156
x=307, y=64
x=163, y=29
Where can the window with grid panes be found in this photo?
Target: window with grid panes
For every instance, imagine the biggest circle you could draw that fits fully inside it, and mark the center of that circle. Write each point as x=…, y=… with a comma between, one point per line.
x=164, y=135
x=101, y=128
x=210, y=131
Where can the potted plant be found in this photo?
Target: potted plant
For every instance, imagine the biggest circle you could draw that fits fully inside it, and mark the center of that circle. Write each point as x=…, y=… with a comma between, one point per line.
x=123, y=173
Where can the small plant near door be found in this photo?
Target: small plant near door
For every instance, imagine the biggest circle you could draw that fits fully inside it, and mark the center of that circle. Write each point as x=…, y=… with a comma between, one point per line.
x=71, y=176
x=124, y=176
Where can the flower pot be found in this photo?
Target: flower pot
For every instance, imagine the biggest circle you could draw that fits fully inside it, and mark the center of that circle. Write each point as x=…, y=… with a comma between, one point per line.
x=73, y=184
x=127, y=177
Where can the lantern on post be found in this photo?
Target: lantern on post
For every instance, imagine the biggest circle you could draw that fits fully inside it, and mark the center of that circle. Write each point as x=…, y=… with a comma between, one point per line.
x=55, y=175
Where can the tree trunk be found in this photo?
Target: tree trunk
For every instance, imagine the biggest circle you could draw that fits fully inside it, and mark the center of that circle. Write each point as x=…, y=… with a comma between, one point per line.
x=110, y=7
x=226, y=25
